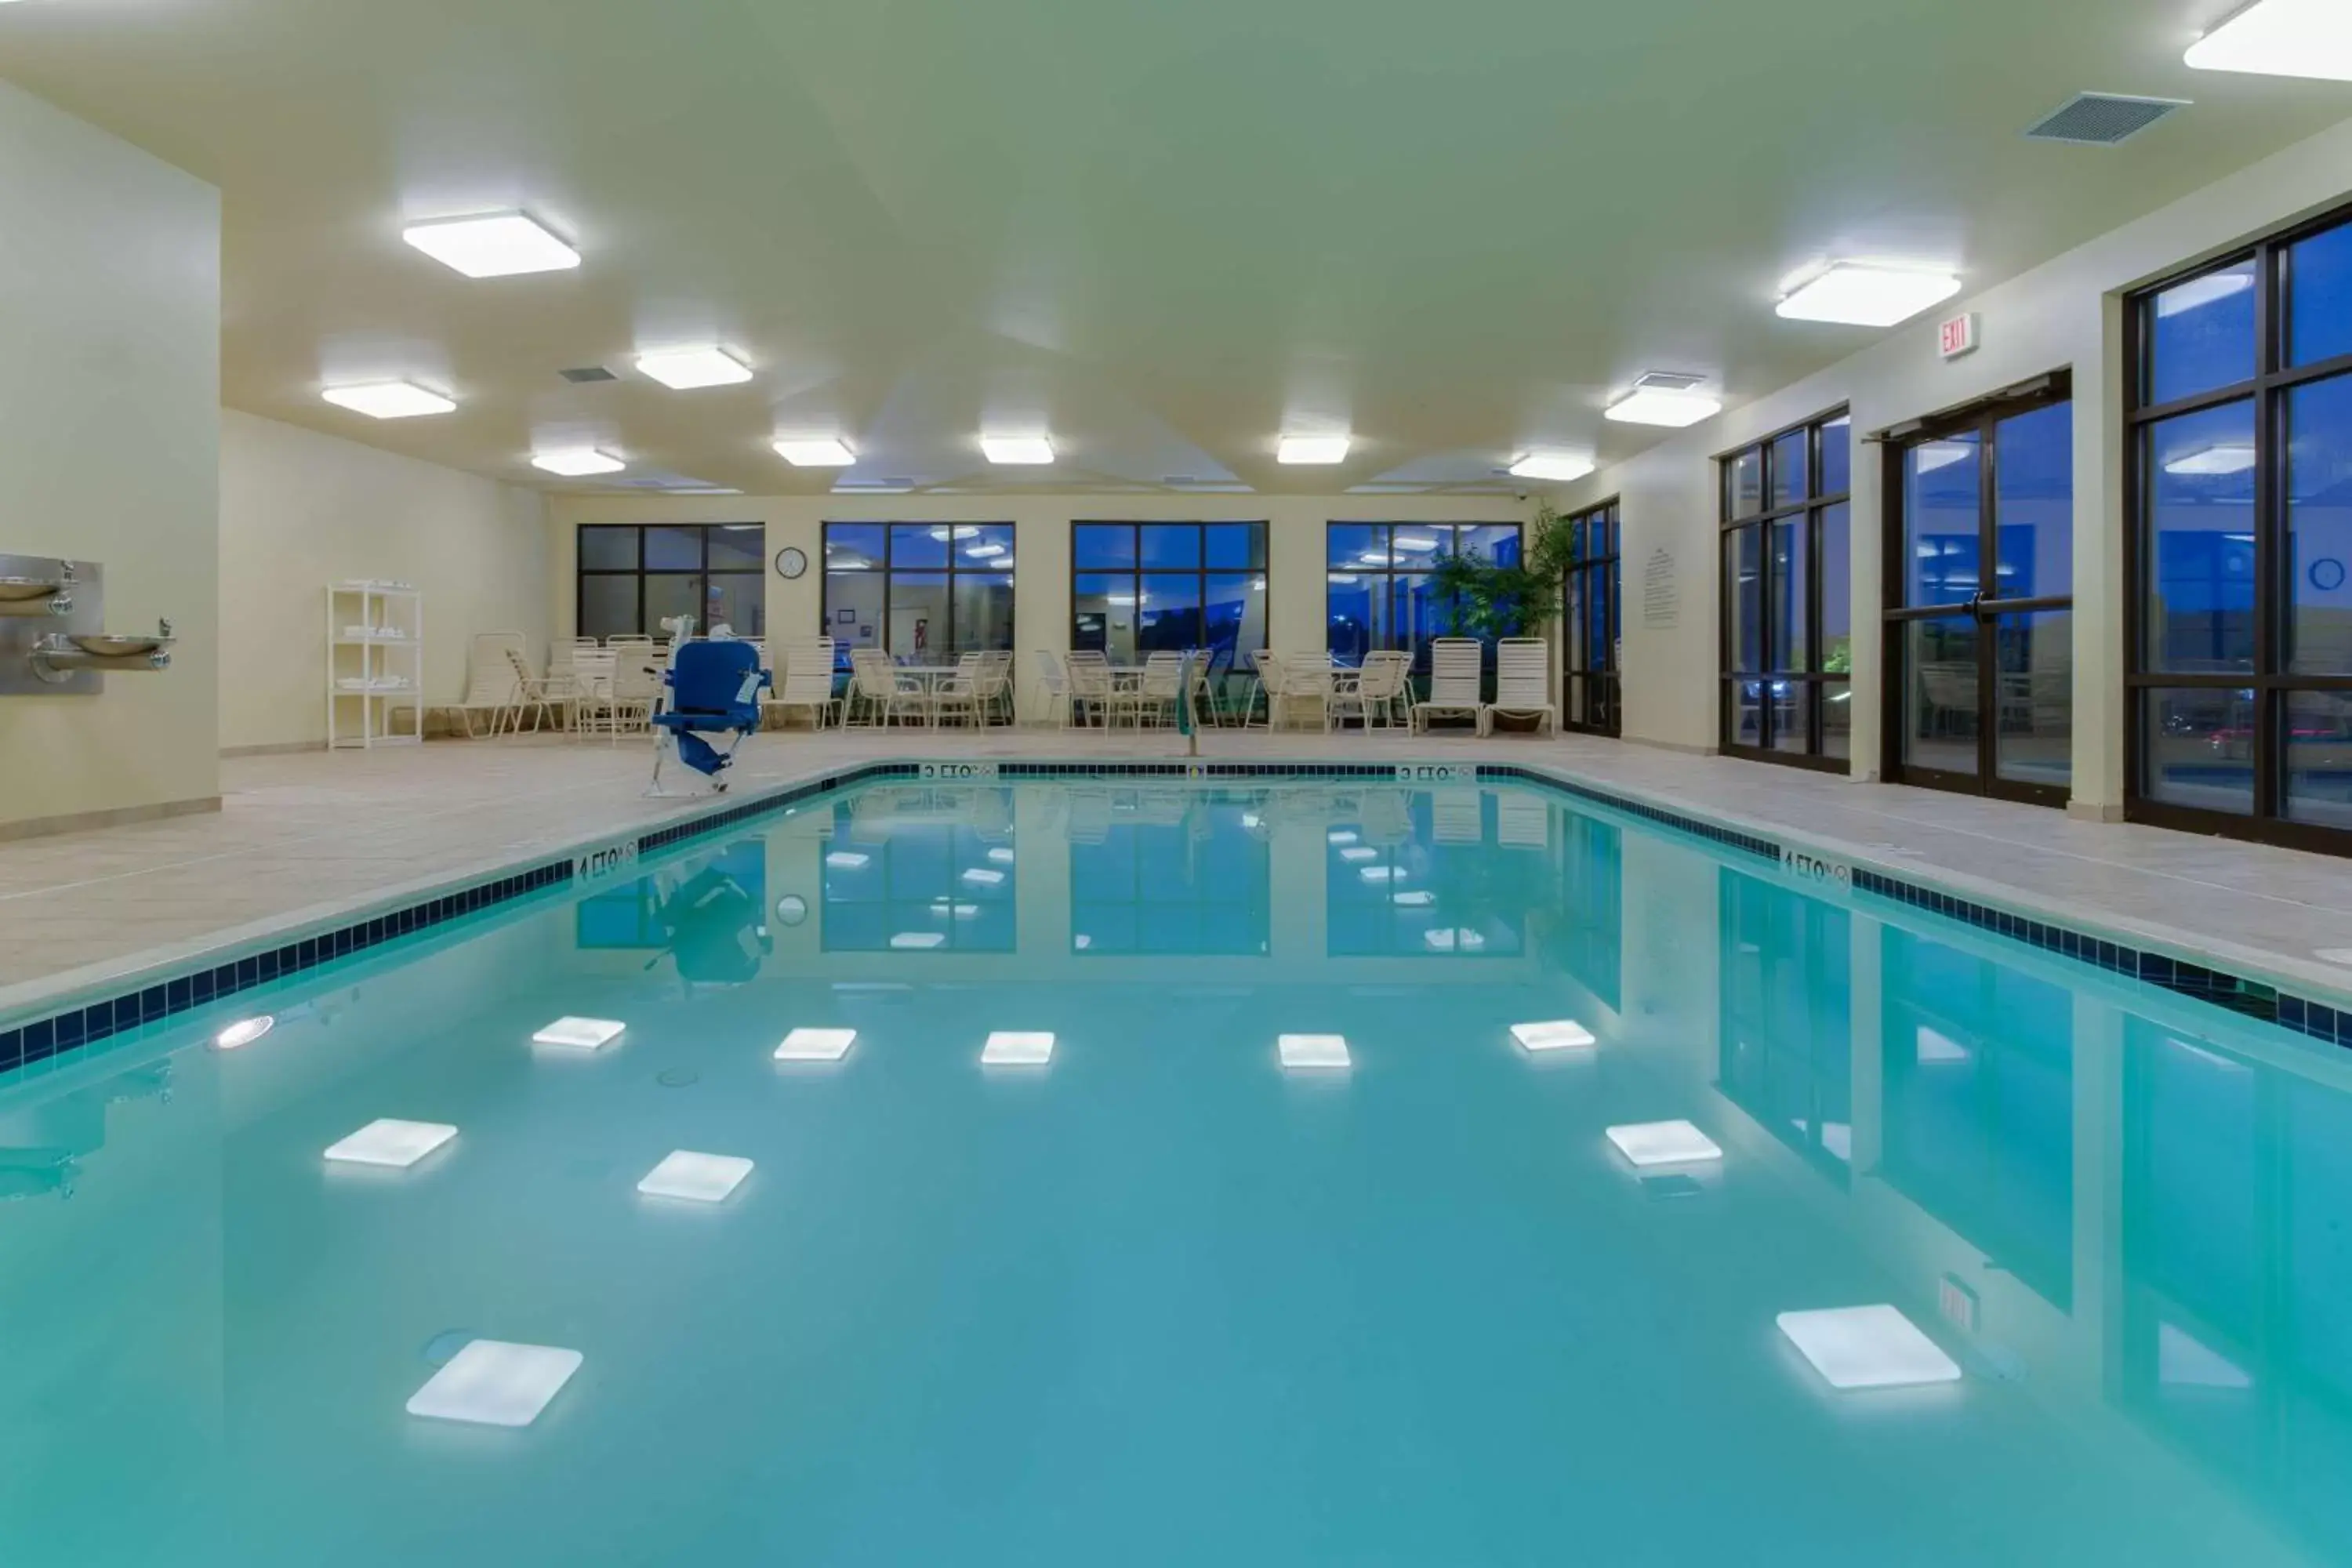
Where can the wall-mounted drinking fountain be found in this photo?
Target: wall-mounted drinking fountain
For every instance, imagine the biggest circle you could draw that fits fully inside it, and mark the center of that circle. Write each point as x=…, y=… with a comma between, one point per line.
x=53, y=636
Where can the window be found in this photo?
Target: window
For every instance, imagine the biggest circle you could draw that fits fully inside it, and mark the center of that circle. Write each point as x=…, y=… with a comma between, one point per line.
x=1787, y=627
x=1141, y=588
x=919, y=590
x=633, y=577
x=1377, y=591
x=2240, y=490
x=1590, y=605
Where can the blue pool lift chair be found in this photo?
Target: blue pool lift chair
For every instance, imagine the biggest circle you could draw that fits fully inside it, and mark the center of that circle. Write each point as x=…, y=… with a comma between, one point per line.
x=711, y=688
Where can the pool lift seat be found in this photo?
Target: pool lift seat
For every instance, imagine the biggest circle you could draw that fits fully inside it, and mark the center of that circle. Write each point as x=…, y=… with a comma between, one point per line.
x=711, y=688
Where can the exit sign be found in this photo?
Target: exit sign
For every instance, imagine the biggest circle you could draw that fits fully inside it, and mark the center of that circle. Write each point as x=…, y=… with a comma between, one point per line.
x=1957, y=336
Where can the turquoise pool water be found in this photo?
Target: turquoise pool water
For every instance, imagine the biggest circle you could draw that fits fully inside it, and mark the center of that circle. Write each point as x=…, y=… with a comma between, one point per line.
x=1158, y=1299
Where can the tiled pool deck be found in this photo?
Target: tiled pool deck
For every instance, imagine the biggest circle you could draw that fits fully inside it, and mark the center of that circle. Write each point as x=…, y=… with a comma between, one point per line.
x=306, y=836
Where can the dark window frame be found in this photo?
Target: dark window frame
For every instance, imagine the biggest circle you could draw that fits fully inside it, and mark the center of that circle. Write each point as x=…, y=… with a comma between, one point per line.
x=1576, y=612
x=1812, y=506
x=954, y=568
x=2268, y=391
x=1262, y=550
x=1390, y=573
x=1981, y=417
x=582, y=572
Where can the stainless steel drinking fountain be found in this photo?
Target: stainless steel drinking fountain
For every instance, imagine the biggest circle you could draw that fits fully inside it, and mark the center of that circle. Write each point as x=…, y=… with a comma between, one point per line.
x=53, y=636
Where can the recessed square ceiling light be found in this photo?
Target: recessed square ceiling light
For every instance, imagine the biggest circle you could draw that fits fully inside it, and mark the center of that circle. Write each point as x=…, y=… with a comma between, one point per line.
x=388, y=400
x=1006, y=1048
x=918, y=940
x=815, y=1045
x=1674, y=410
x=683, y=370
x=815, y=454
x=1559, y=467
x=1306, y=450
x=1867, y=295
x=1867, y=1347
x=577, y=462
x=1315, y=1051
x=579, y=1034
x=2281, y=38
x=1034, y=451
x=696, y=1178
x=496, y=245
x=1557, y=1035
x=392, y=1144
x=1663, y=1144
x=493, y=1383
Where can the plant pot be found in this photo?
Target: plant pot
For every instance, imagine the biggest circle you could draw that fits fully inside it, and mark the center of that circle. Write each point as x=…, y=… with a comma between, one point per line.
x=1517, y=723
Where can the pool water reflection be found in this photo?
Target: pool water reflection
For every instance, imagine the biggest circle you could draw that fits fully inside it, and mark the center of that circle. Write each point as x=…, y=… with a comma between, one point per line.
x=1005, y=1222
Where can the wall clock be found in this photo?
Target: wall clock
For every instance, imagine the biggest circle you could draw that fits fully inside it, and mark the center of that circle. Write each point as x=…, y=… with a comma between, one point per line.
x=791, y=562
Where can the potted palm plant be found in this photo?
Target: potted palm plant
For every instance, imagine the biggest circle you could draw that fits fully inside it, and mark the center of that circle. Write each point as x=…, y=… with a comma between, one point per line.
x=1494, y=599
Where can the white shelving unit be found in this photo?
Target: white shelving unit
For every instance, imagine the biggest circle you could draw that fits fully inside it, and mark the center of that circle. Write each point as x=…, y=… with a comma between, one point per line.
x=375, y=665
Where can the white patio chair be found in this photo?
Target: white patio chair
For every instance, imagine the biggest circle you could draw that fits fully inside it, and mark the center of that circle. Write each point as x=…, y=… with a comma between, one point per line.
x=1523, y=683
x=491, y=686
x=532, y=695
x=1266, y=680
x=592, y=701
x=1453, y=671
x=962, y=694
x=996, y=693
x=1388, y=687
x=1306, y=687
x=1090, y=685
x=637, y=688
x=1053, y=688
x=883, y=693
x=1152, y=699
x=806, y=680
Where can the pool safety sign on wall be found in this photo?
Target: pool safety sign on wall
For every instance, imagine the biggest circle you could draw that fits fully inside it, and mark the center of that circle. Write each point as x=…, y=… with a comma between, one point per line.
x=955, y=771
x=604, y=861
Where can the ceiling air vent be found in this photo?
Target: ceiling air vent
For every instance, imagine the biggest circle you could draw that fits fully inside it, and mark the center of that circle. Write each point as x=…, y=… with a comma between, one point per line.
x=1667, y=381
x=2102, y=118
x=588, y=372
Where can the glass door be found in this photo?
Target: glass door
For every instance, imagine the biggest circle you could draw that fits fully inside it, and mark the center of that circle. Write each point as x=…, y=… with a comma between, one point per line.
x=1980, y=614
x=1593, y=618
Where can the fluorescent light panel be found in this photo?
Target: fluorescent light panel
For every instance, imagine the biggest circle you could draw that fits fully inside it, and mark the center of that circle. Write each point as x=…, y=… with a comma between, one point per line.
x=696, y=1178
x=577, y=462
x=1672, y=410
x=2281, y=38
x=1555, y=1035
x=1867, y=1347
x=1032, y=451
x=815, y=454
x=495, y=245
x=1310, y=450
x=388, y=400
x=1868, y=295
x=493, y=1383
x=815, y=1045
x=1649, y=1143
x=579, y=1034
x=683, y=370
x=1559, y=467
x=392, y=1144
x=918, y=940
x=1010, y=1048
x=1313, y=1051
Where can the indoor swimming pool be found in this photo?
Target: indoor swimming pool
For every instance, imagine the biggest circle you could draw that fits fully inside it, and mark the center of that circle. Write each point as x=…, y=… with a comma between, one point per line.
x=1135, y=1170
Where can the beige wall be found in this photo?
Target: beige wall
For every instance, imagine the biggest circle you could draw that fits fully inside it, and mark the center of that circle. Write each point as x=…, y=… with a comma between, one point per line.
x=1041, y=611
x=299, y=509
x=2065, y=314
x=110, y=403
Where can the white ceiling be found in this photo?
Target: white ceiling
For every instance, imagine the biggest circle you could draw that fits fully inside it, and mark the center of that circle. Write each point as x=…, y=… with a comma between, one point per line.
x=1165, y=229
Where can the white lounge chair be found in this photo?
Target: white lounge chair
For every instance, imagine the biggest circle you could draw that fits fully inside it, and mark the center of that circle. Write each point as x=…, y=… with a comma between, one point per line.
x=1453, y=671
x=493, y=684
x=1523, y=682
x=1090, y=686
x=807, y=680
x=1053, y=688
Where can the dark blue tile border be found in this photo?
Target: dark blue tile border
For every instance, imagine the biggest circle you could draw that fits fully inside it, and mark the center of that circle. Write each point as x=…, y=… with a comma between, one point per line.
x=81, y=1028
x=2248, y=998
